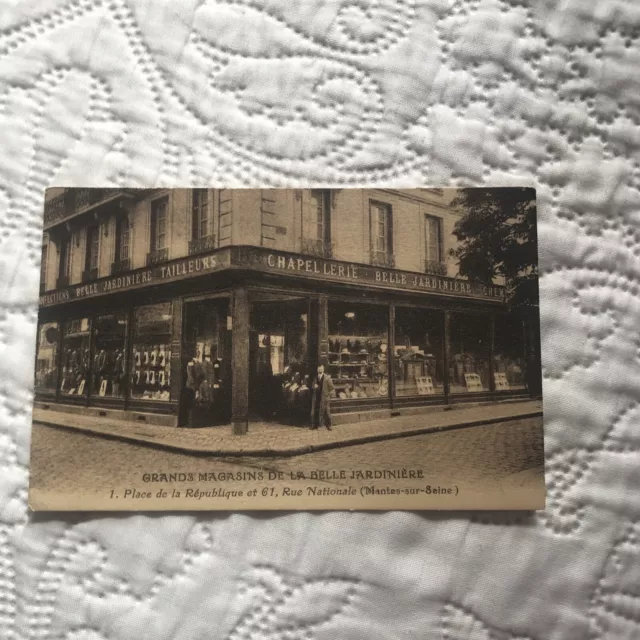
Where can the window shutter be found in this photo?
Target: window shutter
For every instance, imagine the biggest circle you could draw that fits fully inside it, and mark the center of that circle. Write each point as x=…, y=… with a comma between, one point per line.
x=389, y=230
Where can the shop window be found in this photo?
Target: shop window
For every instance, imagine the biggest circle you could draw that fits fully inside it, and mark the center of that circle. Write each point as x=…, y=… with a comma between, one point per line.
x=381, y=235
x=46, y=378
x=358, y=350
x=151, y=367
x=434, y=254
x=76, y=354
x=110, y=359
x=122, y=257
x=470, y=350
x=419, y=352
x=317, y=227
x=158, y=251
x=509, y=353
x=92, y=252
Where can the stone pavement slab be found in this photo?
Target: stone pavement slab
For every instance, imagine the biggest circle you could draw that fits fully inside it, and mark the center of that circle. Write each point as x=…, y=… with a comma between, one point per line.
x=268, y=439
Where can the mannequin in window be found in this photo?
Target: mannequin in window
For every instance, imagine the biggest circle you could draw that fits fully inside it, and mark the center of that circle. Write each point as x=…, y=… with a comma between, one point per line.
x=118, y=372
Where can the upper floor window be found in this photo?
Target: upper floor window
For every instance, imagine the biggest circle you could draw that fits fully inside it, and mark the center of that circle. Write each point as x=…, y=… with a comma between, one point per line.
x=158, y=250
x=43, y=267
x=92, y=248
x=381, y=234
x=317, y=230
x=200, y=221
x=122, y=253
x=123, y=239
x=64, y=266
x=202, y=236
x=158, y=224
x=434, y=252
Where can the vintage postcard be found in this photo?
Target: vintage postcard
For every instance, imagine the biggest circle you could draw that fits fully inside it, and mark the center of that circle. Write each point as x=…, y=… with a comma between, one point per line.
x=266, y=349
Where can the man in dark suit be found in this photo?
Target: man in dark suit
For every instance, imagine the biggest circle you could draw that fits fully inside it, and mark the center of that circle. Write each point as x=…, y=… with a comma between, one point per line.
x=321, y=392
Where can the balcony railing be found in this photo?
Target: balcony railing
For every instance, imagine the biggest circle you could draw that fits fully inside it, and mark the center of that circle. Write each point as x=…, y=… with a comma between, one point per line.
x=119, y=266
x=73, y=201
x=200, y=245
x=158, y=256
x=383, y=259
x=317, y=247
x=88, y=275
x=435, y=267
x=62, y=281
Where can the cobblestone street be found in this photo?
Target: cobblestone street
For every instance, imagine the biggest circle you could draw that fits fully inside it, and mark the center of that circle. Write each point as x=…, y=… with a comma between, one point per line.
x=494, y=464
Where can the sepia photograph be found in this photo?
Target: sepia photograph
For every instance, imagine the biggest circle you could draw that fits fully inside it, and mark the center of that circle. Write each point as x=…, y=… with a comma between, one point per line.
x=288, y=349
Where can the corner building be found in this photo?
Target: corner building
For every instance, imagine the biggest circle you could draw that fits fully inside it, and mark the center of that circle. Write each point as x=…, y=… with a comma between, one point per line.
x=259, y=287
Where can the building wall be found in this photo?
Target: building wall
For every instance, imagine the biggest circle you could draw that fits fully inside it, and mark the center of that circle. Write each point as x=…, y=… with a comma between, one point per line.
x=271, y=218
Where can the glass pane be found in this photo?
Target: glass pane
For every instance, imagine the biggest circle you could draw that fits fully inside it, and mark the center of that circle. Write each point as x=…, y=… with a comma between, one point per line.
x=151, y=366
x=124, y=244
x=110, y=356
x=358, y=350
x=509, y=362
x=47, y=359
x=419, y=342
x=469, y=370
x=95, y=248
x=433, y=239
x=76, y=341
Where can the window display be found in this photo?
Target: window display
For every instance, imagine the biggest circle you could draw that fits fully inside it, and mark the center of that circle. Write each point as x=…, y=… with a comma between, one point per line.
x=419, y=352
x=358, y=358
x=151, y=366
x=470, y=352
x=109, y=359
x=46, y=378
x=509, y=362
x=76, y=354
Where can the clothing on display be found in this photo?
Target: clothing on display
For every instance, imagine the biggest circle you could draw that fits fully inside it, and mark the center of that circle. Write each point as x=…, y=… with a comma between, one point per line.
x=152, y=353
x=76, y=340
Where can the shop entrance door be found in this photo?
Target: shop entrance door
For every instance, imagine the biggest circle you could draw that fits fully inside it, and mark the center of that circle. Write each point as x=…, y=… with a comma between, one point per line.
x=279, y=358
x=206, y=364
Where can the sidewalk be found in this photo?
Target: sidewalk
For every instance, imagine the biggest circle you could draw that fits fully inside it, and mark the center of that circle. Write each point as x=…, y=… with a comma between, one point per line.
x=265, y=439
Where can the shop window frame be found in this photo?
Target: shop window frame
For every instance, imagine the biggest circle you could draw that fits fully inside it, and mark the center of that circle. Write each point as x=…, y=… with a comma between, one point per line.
x=420, y=399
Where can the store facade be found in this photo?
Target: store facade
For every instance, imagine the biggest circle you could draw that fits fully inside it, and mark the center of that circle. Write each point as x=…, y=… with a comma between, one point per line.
x=235, y=334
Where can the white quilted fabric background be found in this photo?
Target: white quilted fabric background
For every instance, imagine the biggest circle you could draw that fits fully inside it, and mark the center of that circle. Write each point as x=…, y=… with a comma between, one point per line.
x=342, y=92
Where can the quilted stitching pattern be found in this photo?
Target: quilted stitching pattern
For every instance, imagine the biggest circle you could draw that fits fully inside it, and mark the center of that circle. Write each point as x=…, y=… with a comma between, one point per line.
x=268, y=92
